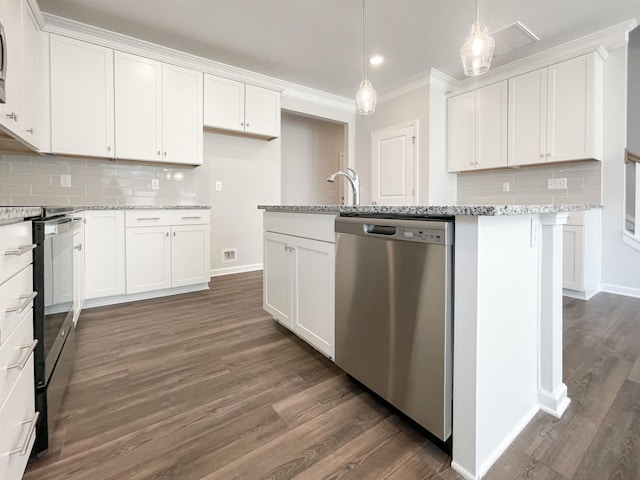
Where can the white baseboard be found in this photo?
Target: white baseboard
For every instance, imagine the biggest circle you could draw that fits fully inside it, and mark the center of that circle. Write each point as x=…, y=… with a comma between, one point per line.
x=219, y=272
x=620, y=290
x=579, y=294
x=463, y=472
x=554, y=403
x=101, y=302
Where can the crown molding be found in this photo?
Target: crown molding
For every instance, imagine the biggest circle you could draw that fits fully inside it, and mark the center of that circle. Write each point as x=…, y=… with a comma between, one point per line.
x=431, y=77
x=37, y=13
x=600, y=42
x=106, y=38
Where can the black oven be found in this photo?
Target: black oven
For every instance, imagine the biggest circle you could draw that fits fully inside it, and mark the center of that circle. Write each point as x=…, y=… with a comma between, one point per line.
x=53, y=313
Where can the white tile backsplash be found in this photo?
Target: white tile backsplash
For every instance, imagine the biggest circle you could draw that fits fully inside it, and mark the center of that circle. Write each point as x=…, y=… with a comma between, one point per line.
x=34, y=180
x=529, y=185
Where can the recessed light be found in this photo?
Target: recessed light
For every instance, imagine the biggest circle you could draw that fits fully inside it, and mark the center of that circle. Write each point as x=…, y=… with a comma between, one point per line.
x=376, y=60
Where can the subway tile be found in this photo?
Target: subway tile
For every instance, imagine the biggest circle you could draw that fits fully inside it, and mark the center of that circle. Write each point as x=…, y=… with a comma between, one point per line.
x=78, y=180
x=5, y=200
x=15, y=189
x=39, y=200
x=57, y=190
x=109, y=192
x=37, y=168
x=93, y=200
x=21, y=179
x=96, y=171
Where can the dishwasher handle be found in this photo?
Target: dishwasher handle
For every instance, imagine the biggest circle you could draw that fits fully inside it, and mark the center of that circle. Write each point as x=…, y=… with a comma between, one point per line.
x=379, y=230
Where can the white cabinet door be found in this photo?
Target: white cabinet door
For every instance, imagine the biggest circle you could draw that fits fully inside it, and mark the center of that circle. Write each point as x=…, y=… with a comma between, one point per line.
x=182, y=115
x=278, y=277
x=574, y=125
x=78, y=273
x=104, y=247
x=82, y=112
x=138, y=107
x=11, y=111
x=477, y=129
x=30, y=77
x=190, y=255
x=262, y=111
x=461, y=132
x=314, y=293
x=573, y=257
x=223, y=103
x=528, y=118
x=148, y=258
x=491, y=126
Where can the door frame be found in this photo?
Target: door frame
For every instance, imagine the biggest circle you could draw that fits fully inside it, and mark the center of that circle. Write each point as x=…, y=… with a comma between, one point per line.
x=412, y=123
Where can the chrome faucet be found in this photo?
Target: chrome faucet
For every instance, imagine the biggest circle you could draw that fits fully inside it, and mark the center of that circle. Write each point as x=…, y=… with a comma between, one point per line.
x=352, y=176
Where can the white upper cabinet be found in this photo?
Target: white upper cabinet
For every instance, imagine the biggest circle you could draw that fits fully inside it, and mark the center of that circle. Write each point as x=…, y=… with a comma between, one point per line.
x=30, y=77
x=182, y=112
x=12, y=12
x=574, y=109
x=234, y=106
x=555, y=113
x=477, y=129
x=138, y=107
x=82, y=111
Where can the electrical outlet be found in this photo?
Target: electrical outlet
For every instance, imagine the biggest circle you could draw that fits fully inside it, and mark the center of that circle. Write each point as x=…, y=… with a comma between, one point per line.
x=556, y=183
x=218, y=186
x=65, y=180
x=155, y=184
x=505, y=186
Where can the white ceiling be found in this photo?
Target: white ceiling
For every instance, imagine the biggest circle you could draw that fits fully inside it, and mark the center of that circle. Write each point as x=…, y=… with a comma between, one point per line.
x=318, y=43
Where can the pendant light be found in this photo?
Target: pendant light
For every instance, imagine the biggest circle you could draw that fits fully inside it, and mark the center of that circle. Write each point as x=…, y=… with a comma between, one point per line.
x=477, y=50
x=366, y=96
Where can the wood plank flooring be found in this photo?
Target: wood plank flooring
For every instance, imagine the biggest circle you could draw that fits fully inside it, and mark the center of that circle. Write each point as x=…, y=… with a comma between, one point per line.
x=207, y=386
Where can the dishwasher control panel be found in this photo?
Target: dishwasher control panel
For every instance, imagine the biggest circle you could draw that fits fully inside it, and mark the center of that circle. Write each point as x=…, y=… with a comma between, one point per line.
x=421, y=235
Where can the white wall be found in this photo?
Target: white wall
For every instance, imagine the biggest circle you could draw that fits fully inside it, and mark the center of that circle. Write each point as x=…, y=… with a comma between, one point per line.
x=400, y=109
x=620, y=263
x=249, y=170
x=310, y=153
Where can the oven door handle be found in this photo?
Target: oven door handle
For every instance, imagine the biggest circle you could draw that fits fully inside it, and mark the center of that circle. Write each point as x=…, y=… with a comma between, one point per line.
x=27, y=301
x=21, y=250
x=23, y=361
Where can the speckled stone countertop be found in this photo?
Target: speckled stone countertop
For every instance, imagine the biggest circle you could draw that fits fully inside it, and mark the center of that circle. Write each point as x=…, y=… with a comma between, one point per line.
x=17, y=214
x=145, y=207
x=445, y=210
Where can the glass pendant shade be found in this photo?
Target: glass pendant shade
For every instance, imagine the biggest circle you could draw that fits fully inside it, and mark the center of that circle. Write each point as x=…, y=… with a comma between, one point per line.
x=366, y=98
x=477, y=51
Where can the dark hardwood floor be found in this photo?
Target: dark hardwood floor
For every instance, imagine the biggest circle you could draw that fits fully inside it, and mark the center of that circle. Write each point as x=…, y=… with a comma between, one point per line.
x=207, y=386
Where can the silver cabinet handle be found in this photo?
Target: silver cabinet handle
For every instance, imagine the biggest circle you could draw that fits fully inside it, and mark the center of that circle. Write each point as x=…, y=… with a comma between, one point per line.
x=27, y=301
x=25, y=358
x=148, y=218
x=247, y=124
x=12, y=116
x=167, y=234
x=22, y=249
x=78, y=247
x=32, y=428
x=191, y=218
x=174, y=234
x=108, y=148
x=242, y=124
x=165, y=153
x=159, y=152
x=29, y=131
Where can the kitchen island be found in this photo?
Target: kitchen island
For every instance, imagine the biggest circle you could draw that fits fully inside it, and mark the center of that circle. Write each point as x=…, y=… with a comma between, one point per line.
x=507, y=313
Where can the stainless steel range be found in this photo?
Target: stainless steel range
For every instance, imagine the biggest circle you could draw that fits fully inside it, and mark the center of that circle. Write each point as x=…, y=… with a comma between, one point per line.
x=53, y=313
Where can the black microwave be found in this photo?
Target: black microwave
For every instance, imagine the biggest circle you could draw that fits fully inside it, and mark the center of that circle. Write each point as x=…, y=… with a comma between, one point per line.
x=3, y=64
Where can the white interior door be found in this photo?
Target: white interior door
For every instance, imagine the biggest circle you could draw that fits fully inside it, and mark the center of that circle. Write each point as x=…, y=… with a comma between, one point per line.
x=393, y=165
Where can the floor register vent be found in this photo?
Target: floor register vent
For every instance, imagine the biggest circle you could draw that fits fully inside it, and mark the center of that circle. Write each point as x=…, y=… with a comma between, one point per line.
x=229, y=255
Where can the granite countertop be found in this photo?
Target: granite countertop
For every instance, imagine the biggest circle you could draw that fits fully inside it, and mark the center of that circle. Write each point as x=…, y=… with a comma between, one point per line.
x=445, y=210
x=17, y=214
x=144, y=207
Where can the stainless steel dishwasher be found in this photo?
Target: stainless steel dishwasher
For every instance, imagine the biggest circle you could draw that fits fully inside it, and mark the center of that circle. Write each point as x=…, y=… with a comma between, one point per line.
x=394, y=313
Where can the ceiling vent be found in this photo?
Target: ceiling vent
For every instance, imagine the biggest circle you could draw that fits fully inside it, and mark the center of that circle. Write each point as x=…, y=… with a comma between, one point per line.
x=512, y=37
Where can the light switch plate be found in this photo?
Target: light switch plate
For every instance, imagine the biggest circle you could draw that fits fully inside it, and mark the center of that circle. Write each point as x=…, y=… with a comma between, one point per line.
x=218, y=186
x=155, y=184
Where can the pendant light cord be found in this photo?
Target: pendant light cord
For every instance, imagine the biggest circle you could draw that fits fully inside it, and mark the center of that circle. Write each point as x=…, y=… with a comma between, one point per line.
x=477, y=11
x=364, y=44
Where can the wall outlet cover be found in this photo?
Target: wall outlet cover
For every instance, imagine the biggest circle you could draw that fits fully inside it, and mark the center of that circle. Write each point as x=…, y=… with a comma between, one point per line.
x=505, y=186
x=556, y=183
x=155, y=184
x=218, y=186
x=65, y=180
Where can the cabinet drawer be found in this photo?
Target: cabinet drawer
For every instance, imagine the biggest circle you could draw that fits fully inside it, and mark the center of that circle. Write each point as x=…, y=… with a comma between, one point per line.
x=190, y=217
x=13, y=352
x=15, y=301
x=575, y=218
x=306, y=225
x=146, y=218
x=15, y=252
x=18, y=419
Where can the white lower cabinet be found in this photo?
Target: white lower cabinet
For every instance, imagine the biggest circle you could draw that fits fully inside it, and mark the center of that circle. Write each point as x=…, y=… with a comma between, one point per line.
x=166, y=250
x=17, y=397
x=104, y=248
x=581, y=254
x=299, y=283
